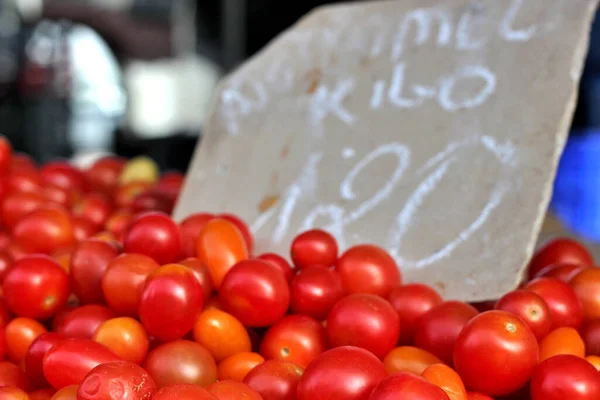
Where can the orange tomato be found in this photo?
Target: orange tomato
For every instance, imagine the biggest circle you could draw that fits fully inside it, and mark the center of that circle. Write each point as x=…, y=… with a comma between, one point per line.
x=221, y=334
x=220, y=246
x=42, y=394
x=586, y=284
x=238, y=365
x=595, y=361
x=565, y=340
x=125, y=336
x=20, y=333
x=409, y=359
x=446, y=378
x=12, y=393
x=66, y=393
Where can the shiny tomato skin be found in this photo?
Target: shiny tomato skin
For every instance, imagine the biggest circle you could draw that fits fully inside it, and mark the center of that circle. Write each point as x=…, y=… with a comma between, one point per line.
x=93, y=207
x=563, y=271
x=255, y=292
x=295, y=338
x=364, y=320
x=20, y=333
x=45, y=230
x=190, y=230
x=35, y=356
x=82, y=322
x=565, y=308
x=558, y=251
x=586, y=285
x=125, y=337
x=6, y=154
x=275, y=379
x=156, y=235
x=103, y=175
x=314, y=292
x=16, y=206
x=23, y=181
x=201, y=273
x=530, y=307
x=563, y=340
x=181, y=362
x=411, y=301
x=70, y=360
x=183, y=392
x=477, y=396
x=66, y=393
x=237, y=366
x=64, y=175
x=83, y=228
x=43, y=280
x=42, y=394
x=409, y=359
x=118, y=222
x=315, y=247
x=327, y=377
x=368, y=269
x=12, y=375
x=510, y=348
x=221, y=334
x=590, y=333
x=406, y=386
x=243, y=228
x=280, y=262
x=232, y=390
x=170, y=302
x=446, y=378
x=439, y=328
x=117, y=380
x=12, y=393
x=565, y=377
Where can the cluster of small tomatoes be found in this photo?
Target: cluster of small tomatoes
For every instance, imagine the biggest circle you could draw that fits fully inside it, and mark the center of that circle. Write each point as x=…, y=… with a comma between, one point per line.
x=105, y=297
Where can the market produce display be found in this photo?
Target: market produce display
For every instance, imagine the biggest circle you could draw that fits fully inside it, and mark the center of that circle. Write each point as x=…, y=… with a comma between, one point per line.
x=106, y=297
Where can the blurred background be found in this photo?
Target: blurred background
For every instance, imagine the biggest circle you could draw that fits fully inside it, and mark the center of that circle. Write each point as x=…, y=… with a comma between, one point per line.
x=135, y=77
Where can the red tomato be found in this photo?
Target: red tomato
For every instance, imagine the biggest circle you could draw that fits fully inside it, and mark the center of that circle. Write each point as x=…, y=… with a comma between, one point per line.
x=45, y=230
x=62, y=174
x=477, y=396
x=12, y=393
x=126, y=338
x=565, y=377
x=202, y=274
x=103, y=175
x=42, y=394
x=181, y=361
x=152, y=200
x=170, y=303
x=232, y=390
x=190, y=230
x=586, y=285
x=279, y=262
x=117, y=380
x=406, y=386
x=36, y=287
x=5, y=155
x=5, y=315
x=94, y=207
x=411, y=302
x=118, y=222
x=23, y=181
x=220, y=246
x=17, y=205
x=446, y=378
x=11, y=375
x=275, y=379
x=314, y=248
x=565, y=308
x=83, y=228
x=295, y=338
x=243, y=227
x=364, y=320
x=83, y=321
x=183, y=392
x=510, y=349
x=564, y=272
x=368, y=269
x=255, y=292
x=70, y=360
x=315, y=291
x=19, y=334
x=438, y=329
x=125, y=195
x=327, y=377
x=559, y=251
x=531, y=308
x=124, y=280
x=590, y=333
x=58, y=195
x=35, y=356
x=22, y=161
x=156, y=235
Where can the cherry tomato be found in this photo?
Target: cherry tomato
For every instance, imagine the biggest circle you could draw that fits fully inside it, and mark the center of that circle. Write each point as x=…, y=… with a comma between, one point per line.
x=62, y=174
x=118, y=222
x=36, y=287
x=124, y=280
x=5, y=315
x=327, y=377
x=117, y=380
x=23, y=181
x=565, y=377
x=45, y=230
x=590, y=333
x=93, y=207
x=20, y=333
x=183, y=392
x=221, y=334
x=446, y=378
x=565, y=340
x=22, y=161
x=406, y=386
x=510, y=348
x=296, y=338
x=530, y=307
x=125, y=195
x=439, y=328
x=202, y=274
x=255, y=292
x=586, y=285
x=103, y=175
x=42, y=394
x=170, y=302
x=6, y=153
x=411, y=302
x=315, y=291
x=190, y=230
x=558, y=251
x=368, y=269
x=565, y=308
x=237, y=366
x=477, y=396
x=83, y=321
x=232, y=390
x=179, y=362
x=275, y=379
x=58, y=195
x=70, y=360
x=409, y=359
x=16, y=206
x=364, y=320
x=35, y=356
x=125, y=336
x=220, y=246
x=563, y=271
x=82, y=228
x=156, y=235
x=279, y=262
x=11, y=375
x=595, y=361
x=66, y=393
x=12, y=393
x=314, y=248
x=243, y=228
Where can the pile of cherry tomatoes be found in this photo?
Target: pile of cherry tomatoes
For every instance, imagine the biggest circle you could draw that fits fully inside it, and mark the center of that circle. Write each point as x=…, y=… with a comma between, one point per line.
x=105, y=297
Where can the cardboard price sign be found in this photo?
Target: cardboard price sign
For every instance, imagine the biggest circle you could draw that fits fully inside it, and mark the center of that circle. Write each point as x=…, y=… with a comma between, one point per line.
x=432, y=129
